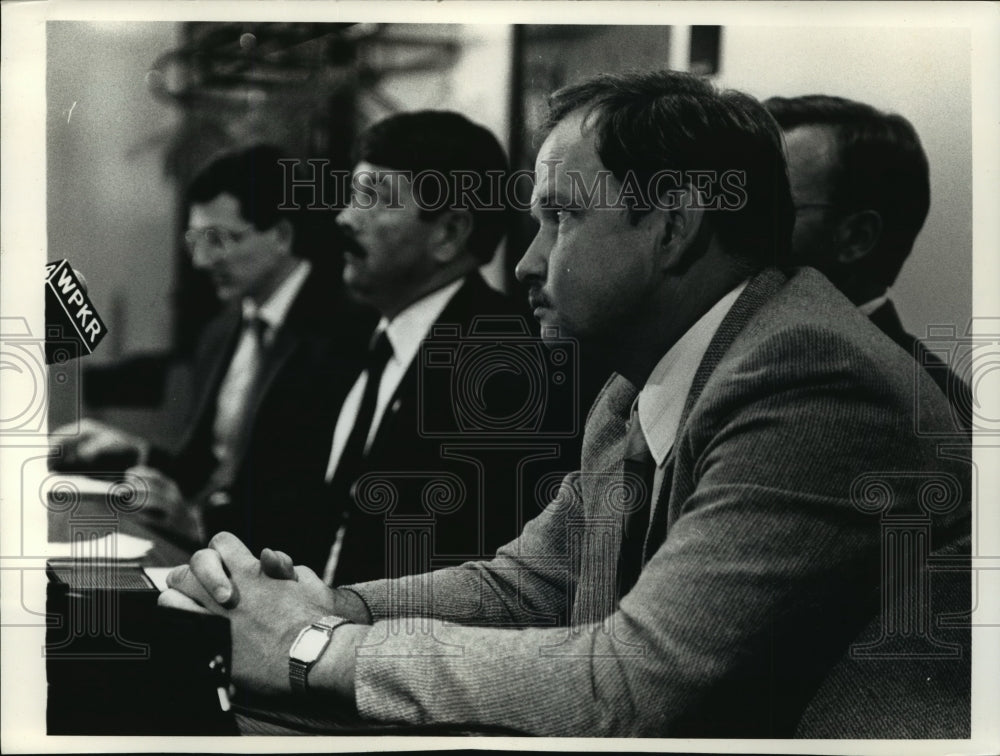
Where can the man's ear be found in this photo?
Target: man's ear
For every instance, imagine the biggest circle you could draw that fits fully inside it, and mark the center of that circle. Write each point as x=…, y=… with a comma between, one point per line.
x=682, y=227
x=859, y=236
x=451, y=234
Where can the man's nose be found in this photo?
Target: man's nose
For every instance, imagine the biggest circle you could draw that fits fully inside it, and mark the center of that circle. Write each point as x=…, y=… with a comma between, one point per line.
x=201, y=255
x=346, y=219
x=533, y=263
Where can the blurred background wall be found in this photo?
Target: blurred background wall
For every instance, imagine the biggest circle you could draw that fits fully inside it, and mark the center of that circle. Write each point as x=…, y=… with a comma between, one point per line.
x=925, y=76
x=110, y=204
x=135, y=108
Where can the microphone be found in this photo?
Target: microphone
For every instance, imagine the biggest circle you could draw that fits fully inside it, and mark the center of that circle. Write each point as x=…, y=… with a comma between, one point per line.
x=72, y=326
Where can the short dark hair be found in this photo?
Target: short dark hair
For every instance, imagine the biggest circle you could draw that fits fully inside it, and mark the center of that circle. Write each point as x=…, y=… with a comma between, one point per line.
x=881, y=166
x=253, y=176
x=450, y=144
x=647, y=122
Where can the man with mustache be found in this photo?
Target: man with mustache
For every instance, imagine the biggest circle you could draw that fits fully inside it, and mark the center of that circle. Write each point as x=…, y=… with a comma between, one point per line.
x=713, y=555
x=425, y=214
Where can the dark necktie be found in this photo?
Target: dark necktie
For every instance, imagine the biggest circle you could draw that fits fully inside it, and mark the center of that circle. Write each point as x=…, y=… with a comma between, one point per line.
x=639, y=470
x=349, y=466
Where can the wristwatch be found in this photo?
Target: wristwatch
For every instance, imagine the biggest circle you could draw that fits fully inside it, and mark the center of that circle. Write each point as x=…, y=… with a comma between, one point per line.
x=308, y=647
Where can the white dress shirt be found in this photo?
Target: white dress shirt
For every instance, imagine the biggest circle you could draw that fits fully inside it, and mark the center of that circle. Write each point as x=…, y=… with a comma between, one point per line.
x=406, y=331
x=275, y=308
x=236, y=386
x=661, y=400
x=870, y=306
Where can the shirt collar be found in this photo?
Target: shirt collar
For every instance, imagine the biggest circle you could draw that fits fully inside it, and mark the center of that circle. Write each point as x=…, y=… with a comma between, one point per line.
x=870, y=306
x=410, y=327
x=276, y=307
x=661, y=400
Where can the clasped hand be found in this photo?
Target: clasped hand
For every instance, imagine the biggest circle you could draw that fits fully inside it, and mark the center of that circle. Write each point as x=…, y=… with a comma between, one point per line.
x=268, y=601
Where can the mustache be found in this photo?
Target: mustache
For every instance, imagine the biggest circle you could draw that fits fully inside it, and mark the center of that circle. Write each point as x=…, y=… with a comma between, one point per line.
x=347, y=242
x=537, y=298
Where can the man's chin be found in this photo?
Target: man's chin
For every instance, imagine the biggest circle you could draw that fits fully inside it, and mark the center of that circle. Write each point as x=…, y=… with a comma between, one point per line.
x=356, y=292
x=227, y=293
x=352, y=275
x=550, y=330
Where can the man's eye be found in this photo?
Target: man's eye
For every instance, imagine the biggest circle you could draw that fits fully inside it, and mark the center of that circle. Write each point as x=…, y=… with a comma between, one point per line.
x=363, y=196
x=552, y=215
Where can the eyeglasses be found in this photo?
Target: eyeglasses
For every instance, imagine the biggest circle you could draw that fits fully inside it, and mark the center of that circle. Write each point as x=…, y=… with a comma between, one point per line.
x=218, y=239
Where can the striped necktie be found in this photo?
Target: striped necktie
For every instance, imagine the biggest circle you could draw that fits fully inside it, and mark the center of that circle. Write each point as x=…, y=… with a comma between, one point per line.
x=234, y=397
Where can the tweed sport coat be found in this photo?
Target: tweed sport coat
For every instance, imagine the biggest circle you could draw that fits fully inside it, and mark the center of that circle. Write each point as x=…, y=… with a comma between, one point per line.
x=797, y=442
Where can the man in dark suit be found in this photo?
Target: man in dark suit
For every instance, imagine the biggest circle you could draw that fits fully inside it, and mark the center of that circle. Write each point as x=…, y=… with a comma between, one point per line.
x=861, y=187
x=718, y=547
x=447, y=428
x=266, y=370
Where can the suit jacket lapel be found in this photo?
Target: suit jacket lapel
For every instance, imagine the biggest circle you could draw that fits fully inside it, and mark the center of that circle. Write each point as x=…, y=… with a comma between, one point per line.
x=288, y=336
x=211, y=378
x=275, y=355
x=758, y=290
x=887, y=320
x=467, y=300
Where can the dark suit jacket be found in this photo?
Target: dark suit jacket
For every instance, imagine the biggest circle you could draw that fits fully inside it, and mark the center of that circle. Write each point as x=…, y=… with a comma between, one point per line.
x=478, y=421
x=796, y=455
x=954, y=386
x=314, y=355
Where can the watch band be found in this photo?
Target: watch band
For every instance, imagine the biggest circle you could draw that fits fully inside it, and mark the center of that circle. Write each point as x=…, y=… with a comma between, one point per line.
x=298, y=672
x=298, y=669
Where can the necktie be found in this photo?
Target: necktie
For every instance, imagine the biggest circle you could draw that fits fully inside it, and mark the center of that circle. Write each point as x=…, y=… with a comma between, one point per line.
x=234, y=397
x=350, y=466
x=639, y=470
x=352, y=457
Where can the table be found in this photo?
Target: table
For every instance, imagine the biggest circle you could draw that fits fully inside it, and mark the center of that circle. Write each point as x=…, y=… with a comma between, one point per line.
x=95, y=511
x=88, y=507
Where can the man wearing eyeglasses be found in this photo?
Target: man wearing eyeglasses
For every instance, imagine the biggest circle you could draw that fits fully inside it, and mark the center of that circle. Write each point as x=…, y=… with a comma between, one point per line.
x=716, y=550
x=266, y=372
x=861, y=186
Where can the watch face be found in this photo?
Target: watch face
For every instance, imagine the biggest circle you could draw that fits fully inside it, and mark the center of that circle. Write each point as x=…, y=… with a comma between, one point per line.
x=310, y=645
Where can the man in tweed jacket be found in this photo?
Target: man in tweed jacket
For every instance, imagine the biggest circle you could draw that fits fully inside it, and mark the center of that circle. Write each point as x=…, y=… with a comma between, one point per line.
x=717, y=550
